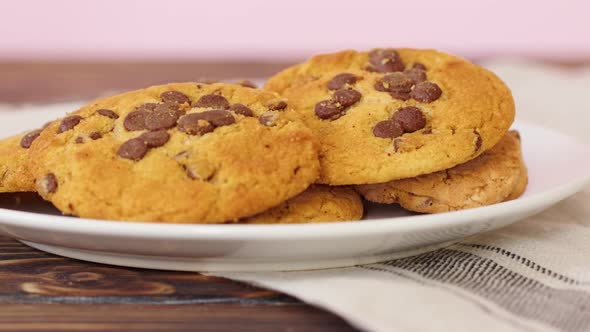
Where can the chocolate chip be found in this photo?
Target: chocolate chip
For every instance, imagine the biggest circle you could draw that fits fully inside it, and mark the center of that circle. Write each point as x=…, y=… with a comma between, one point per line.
x=400, y=95
x=108, y=113
x=416, y=75
x=29, y=138
x=410, y=118
x=79, y=140
x=162, y=117
x=395, y=82
x=268, y=118
x=212, y=101
x=134, y=149
x=277, y=105
x=418, y=65
x=241, y=109
x=205, y=122
x=426, y=92
x=341, y=80
x=69, y=123
x=175, y=97
x=347, y=97
x=387, y=129
x=247, y=84
x=385, y=61
x=328, y=109
x=478, y=141
x=95, y=135
x=147, y=107
x=135, y=120
x=217, y=118
x=154, y=139
x=48, y=185
x=193, y=124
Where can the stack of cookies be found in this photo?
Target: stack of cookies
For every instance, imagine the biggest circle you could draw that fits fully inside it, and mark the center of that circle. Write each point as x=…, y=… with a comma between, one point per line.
x=419, y=128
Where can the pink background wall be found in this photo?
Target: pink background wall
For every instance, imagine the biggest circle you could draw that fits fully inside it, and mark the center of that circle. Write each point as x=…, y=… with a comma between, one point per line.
x=256, y=29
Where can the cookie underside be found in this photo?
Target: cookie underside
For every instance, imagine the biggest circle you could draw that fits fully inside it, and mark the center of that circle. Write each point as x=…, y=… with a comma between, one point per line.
x=497, y=175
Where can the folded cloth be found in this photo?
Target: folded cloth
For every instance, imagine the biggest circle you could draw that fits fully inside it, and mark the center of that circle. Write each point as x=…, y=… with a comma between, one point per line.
x=530, y=276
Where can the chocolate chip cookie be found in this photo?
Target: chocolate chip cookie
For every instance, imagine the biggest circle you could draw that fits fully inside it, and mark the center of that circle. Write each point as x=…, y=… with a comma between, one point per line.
x=14, y=176
x=497, y=175
x=389, y=114
x=186, y=153
x=319, y=203
x=14, y=166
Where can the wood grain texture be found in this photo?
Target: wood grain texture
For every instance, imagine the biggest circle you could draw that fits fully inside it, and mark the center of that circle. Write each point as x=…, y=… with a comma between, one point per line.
x=44, y=292
x=50, y=82
x=63, y=81
x=133, y=317
x=28, y=275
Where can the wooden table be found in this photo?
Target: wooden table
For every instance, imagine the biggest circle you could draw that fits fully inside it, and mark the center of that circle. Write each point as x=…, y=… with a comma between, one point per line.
x=43, y=292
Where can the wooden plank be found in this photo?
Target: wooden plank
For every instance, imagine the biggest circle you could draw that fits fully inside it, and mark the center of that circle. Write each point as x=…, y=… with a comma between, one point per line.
x=28, y=275
x=47, y=82
x=62, y=81
x=133, y=317
x=43, y=292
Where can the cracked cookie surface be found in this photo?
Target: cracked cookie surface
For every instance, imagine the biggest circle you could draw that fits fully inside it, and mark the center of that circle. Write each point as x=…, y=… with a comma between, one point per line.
x=185, y=152
x=319, y=203
x=497, y=175
x=389, y=114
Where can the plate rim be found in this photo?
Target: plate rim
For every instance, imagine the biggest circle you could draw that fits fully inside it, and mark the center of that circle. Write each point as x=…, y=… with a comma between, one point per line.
x=179, y=231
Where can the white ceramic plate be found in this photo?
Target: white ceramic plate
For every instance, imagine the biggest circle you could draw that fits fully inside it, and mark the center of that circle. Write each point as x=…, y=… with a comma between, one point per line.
x=558, y=167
